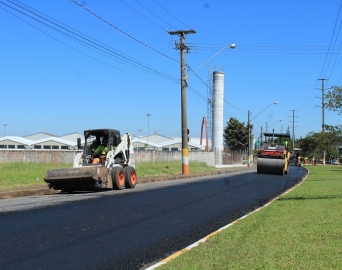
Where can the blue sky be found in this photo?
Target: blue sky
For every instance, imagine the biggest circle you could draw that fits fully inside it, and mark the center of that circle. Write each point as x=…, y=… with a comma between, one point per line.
x=65, y=69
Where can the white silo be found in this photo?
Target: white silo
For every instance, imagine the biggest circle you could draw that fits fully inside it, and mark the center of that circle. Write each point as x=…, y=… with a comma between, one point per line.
x=217, y=110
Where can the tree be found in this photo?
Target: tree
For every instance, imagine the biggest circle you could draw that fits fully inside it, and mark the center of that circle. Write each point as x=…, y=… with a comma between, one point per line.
x=310, y=144
x=331, y=140
x=334, y=100
x=236, y=135
x=314, y=144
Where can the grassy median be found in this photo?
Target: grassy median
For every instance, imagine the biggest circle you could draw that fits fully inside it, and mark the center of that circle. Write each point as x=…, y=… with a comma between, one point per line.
x=301, y=230
x=26, y=174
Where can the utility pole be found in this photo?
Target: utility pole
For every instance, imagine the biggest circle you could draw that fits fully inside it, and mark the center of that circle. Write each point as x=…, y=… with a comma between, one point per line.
x=249, y=139
x=323, y=103
x=183, y=48
x=266, y=127
x=323, y=114
x=260, y=135
x=148, y=129
x=293, y=136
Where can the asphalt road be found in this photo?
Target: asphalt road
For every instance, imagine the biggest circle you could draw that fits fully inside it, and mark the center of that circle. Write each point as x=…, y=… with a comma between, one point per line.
x=128, y=229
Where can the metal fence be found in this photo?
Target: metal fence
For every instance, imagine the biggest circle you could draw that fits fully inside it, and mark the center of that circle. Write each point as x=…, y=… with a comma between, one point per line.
x=229, y=157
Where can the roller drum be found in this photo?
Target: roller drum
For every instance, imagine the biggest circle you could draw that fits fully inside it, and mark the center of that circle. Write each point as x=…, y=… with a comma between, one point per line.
x=271, y=166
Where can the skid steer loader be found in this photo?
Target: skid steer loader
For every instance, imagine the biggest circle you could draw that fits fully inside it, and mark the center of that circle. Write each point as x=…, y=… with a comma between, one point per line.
x=116, y=171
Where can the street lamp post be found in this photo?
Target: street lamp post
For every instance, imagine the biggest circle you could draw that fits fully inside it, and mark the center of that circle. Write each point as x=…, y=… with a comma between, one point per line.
x=249, y=129
x=5, y=125
x=184, y=79
x=276, y=122
x=231, y=46
x=148, y=129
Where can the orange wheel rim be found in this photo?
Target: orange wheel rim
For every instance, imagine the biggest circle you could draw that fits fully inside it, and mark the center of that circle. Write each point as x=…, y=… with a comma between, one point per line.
x=121, y=179
x=133, y=178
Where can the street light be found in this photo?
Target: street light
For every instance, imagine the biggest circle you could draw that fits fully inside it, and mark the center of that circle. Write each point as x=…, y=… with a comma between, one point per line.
x=231, y=46
x=5, y=125
x=148, y=129
x=184, y=79
x=249, y=129
x=276, y=122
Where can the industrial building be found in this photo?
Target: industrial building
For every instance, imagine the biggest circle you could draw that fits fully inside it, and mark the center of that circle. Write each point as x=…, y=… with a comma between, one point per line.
x=47, y=141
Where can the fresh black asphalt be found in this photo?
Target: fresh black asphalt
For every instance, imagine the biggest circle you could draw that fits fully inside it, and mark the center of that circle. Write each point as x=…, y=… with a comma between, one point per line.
x=134, y=229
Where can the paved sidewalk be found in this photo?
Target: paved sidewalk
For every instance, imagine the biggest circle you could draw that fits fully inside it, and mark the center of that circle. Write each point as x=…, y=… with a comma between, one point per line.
x=42, y=189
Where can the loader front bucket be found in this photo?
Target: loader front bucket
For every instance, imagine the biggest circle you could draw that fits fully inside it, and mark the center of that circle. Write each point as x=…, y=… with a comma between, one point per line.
x=83, y=178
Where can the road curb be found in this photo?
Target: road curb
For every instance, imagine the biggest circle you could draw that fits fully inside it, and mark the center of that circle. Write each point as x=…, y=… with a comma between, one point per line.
x=204, y=239
x=42, y=189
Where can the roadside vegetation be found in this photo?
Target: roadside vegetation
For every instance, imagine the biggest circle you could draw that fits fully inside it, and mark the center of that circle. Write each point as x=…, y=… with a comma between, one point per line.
x=25, y=174
x=170, y=168
x=300, y=230
x=19, y=174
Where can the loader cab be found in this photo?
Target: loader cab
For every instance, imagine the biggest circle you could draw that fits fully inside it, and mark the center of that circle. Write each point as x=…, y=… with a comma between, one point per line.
x=110, y=138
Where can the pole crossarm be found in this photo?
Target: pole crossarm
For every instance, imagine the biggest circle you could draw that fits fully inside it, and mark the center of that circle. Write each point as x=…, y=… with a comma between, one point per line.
x=182, y=32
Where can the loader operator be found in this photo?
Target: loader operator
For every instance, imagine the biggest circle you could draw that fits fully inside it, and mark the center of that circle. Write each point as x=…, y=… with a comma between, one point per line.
x=99, y=154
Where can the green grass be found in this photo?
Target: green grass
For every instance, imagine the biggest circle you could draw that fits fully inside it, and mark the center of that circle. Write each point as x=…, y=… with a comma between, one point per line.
x=170, y=168
x=301, y=230
x=26, y=174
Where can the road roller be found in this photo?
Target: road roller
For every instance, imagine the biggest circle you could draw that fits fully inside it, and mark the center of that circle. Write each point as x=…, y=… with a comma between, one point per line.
x=274, y=154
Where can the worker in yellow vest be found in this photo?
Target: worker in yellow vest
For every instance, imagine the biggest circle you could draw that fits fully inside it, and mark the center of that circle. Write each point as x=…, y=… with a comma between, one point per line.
x=299, y=158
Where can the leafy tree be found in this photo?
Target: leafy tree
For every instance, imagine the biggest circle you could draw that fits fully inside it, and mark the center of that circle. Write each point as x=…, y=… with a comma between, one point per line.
x=314, y=144
x=331, y=140
x=236, y=135
x=334, y=100
x=310, y=144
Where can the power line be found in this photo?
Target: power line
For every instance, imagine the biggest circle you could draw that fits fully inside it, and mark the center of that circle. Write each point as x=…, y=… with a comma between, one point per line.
x=82, y=39
x=211, y=89
x=272, y=49
x=142, y=15
x=171, y=14
x=123, y=32
x=331, y=40
x=155, y=14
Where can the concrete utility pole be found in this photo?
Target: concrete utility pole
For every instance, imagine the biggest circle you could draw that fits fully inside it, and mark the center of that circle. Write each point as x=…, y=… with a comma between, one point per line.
x=293, y=136
x=323, y=113
x=260, y=135
x=323, y=103
x=249, y=139
x=183, y=48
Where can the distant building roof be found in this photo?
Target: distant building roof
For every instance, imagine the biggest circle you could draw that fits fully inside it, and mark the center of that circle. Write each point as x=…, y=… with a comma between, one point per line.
x=17, y=139
x=43, y=133
x=54, y=139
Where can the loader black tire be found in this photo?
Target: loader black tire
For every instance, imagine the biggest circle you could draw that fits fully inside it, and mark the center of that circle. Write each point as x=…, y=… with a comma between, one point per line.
x=118, y=178
x=130, y=177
